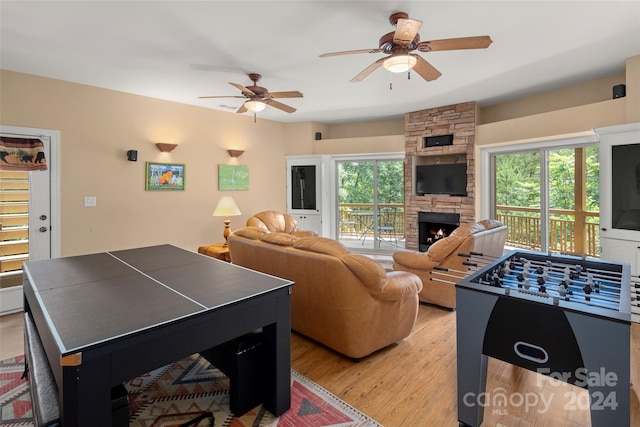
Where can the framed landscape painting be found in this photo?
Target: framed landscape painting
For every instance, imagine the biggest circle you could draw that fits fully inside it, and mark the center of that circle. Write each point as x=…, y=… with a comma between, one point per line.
x=233, y=177
x=164, y=176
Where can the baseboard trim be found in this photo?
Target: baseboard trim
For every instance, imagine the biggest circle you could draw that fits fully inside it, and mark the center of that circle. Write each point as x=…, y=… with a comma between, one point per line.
x=11, y=300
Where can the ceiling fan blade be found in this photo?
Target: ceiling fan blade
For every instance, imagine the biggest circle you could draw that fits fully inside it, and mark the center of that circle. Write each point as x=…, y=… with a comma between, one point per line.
x=280, y=106
x=426, y=70
x=242, y=109
x=478, y=42
x=243, y=89
x=370, y=69
x=289, y=94
x=222, y=96
x=350, y=52
x=406, y=30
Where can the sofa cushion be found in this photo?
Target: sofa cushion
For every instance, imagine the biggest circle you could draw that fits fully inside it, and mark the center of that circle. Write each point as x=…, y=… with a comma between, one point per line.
x=254, y=233
x=304, y=233
x=282, y=239
x=370, y=272
x=322, y=245
x=274, y=221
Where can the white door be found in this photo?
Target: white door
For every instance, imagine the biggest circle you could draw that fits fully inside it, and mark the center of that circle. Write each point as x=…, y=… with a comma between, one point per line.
x=39, y=191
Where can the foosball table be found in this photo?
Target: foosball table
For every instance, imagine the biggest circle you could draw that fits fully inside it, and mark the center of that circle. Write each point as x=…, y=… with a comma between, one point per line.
x=561, y=316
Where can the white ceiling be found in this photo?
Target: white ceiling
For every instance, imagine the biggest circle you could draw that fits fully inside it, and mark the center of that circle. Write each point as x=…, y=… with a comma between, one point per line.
x=179, y=50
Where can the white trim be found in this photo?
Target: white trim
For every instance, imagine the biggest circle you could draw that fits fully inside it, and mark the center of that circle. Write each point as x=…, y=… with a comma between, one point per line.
x=11, y=300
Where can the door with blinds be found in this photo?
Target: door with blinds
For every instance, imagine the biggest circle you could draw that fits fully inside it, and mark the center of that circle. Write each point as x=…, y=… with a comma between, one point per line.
x=25, y=207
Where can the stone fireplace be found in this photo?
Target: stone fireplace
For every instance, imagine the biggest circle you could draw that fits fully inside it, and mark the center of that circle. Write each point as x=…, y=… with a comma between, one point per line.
x=433, y=226
x=453, y=129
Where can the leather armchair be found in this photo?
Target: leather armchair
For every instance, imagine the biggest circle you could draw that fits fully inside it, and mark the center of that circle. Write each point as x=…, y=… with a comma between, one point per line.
x=487, y=237
x=277, y=222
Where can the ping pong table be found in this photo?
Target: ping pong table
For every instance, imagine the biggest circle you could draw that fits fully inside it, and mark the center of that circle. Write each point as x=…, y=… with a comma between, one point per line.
x=108, y=317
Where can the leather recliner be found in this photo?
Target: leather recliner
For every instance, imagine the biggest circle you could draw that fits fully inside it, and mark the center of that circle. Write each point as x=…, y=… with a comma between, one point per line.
x=487, y=237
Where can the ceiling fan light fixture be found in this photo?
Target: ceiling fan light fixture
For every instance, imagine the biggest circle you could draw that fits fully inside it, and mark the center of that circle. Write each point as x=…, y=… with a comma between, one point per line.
x=399, y=63
x=255, y=106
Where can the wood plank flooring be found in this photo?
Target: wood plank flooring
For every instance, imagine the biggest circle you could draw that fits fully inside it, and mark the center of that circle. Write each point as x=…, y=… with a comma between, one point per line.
x=413, y=383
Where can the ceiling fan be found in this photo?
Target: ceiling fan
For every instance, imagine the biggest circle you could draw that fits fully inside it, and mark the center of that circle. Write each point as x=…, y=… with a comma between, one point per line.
x=259, y=97
x=405, y=39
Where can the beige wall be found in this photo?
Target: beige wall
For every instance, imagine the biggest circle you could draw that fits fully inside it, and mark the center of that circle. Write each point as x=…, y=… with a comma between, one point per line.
x=364, y=145
x=565, y=111
x=98, y=126
x=590, y=92
x=365, y=129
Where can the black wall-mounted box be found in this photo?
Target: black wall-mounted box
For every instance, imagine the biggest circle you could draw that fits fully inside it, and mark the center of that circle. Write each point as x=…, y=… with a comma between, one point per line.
x=437, y=141
x=132, y=155
x=619, y=91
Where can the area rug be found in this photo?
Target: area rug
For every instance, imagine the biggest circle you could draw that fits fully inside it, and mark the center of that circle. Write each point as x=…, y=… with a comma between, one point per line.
x=188, y=389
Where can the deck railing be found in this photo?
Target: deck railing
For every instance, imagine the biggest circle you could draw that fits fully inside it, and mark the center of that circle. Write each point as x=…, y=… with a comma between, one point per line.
x=570, y=232
x=567, y=235
x=354, y=226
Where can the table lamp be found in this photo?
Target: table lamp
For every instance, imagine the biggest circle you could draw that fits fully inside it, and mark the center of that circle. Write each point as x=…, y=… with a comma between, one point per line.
x=226, y=207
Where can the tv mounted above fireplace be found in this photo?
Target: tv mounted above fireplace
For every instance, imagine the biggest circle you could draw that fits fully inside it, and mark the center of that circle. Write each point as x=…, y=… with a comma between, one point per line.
x=448, y=179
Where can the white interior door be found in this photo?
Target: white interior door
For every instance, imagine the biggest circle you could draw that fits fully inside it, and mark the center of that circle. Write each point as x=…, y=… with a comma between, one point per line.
x=39, y=189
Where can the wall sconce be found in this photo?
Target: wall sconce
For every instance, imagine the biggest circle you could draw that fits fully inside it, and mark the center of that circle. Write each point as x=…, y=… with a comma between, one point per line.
x=235, y=153
x=165, y=148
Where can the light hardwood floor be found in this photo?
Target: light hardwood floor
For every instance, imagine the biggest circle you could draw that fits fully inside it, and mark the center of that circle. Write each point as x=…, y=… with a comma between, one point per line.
x=413, y=383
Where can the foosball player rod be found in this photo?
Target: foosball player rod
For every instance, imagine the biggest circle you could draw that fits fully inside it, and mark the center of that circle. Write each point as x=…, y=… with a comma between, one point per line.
x=472, y=254
x=449, y=270
x=476, y=262
x=442, y=281
x=457, y=278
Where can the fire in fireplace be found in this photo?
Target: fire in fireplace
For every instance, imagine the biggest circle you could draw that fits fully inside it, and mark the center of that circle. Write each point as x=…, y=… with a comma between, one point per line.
x=433, y=226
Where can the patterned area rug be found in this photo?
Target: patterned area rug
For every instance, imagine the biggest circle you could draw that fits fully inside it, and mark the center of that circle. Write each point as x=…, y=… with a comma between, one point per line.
x=182, y=391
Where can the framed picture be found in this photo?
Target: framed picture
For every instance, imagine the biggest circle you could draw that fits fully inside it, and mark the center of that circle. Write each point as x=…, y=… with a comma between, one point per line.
x=164, y=176
x=233, y=177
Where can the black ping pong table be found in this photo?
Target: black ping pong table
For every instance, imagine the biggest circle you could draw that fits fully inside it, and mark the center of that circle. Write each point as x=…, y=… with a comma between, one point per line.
x=108, y=317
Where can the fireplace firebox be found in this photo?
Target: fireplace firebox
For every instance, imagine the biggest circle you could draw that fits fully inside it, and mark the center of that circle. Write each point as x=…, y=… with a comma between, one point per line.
x=433, y=226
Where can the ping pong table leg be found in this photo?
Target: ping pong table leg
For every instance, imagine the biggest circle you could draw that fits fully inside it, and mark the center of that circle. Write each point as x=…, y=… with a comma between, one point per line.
x=277, y=353
x=86, y=396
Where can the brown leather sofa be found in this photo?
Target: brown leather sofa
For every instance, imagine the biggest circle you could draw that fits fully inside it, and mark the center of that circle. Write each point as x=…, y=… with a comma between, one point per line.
x=486, y=237
x=345, y=301
x=278, y=222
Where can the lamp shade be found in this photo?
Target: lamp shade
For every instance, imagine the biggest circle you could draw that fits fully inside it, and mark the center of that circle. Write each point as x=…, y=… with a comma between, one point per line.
x=255, y=106
x=226, y=207
x=399, y=63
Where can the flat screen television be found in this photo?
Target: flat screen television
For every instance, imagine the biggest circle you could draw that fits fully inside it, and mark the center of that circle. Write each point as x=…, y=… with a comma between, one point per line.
x=449, y=179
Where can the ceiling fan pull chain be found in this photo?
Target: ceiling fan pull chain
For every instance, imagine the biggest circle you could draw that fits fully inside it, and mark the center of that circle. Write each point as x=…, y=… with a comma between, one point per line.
x=390, y=81
x=254, y=117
